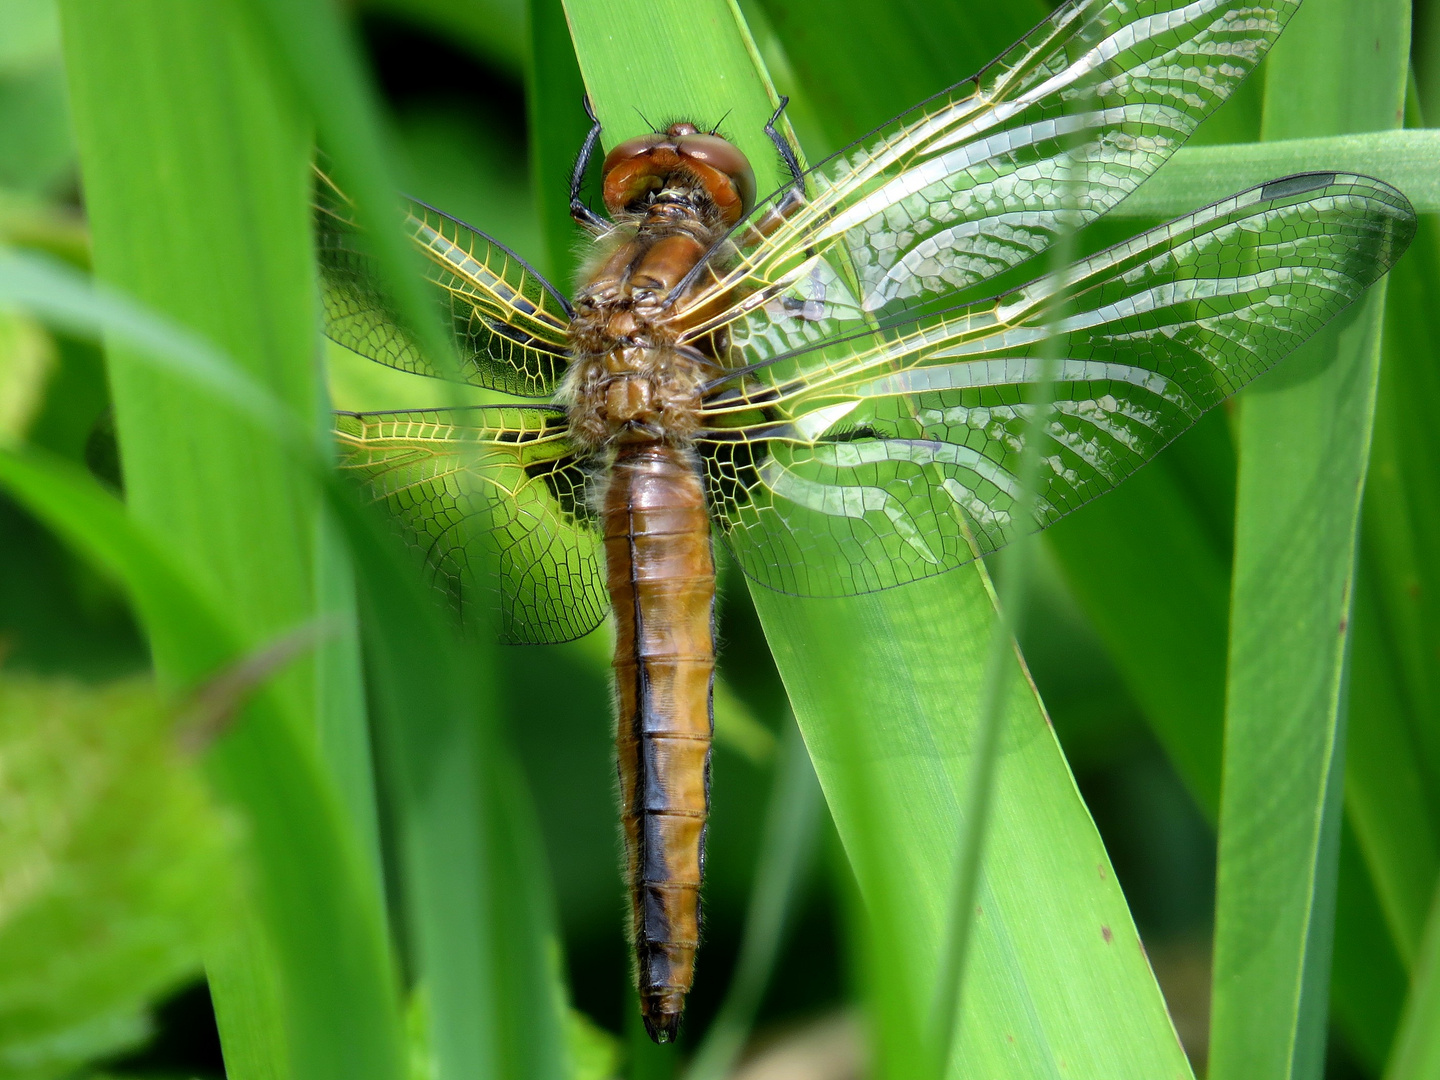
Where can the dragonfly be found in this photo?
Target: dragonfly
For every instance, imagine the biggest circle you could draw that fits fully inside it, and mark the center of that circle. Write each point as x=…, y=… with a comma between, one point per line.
x=802, y=376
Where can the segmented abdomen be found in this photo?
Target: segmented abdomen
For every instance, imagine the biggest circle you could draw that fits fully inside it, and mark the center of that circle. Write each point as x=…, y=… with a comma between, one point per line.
x=662, y=581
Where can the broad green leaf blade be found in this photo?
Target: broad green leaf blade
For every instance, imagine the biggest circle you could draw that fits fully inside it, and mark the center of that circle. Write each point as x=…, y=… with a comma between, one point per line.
x=1150, y=565
x=886, y=688
x=114, y=866
x=706, y=70
x=862, y=63
x=1198, y=175
x=176, y=224
x=557, y=126
x=1304, y=439
x=1395, y=729
x=197, y=194
x=315, y=895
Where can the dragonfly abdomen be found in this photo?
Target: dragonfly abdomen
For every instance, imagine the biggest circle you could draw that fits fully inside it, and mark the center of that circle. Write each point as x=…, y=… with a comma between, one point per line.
x=661, y=573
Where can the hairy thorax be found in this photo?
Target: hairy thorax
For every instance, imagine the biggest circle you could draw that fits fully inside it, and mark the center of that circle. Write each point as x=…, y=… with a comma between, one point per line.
x=630, y=381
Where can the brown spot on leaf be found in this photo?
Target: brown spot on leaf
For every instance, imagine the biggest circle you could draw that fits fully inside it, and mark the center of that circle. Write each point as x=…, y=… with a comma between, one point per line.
x=1106, y=934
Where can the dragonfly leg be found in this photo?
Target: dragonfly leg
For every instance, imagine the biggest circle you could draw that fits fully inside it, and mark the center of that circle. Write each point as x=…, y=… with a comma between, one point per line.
x=787, y=152
x=794, y=196
x=582, y=214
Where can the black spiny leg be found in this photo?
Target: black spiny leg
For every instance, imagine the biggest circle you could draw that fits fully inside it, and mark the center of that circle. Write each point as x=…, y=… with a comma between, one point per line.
x=582, y=214
x=794, y=197
x=787, y=152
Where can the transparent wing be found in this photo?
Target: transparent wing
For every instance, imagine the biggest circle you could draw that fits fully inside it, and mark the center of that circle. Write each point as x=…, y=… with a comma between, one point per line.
x=508, y=322
x=486, y=489
x=969, y=183
x=890, y=457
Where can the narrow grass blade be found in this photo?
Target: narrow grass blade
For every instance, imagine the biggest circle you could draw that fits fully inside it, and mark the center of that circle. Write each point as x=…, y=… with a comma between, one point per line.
x=1017, y=563
x=313, y=46
x=1304, y=438
x=321, y=915
x=1368, y=981
x=786, y=849
x=886, y=688
x=1150, y=565
x=557, y=126
x=1417, y=1045
x=178, y=222
x=1394, y=792
x=1197, y=175
x=196, y=193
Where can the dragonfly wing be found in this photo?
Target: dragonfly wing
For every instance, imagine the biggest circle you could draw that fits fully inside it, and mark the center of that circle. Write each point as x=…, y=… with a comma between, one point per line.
x=484, y=490
x=890, y=457
x=986, y=174
x=508, y=322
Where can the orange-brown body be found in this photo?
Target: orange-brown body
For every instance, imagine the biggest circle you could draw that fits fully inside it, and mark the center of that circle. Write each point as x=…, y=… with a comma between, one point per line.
x=633, y=397
x=662, y=583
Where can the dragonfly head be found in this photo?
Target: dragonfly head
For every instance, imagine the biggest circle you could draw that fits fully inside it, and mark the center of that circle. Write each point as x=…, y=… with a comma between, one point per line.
x=643, y=166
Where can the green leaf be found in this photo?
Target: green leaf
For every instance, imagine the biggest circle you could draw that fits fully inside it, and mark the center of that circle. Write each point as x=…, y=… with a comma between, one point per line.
x=1304, y=438
x=478, y=914
x=1395, y=689
x=319, y=911
x=786, y=849
x=196, y=187
x=113, y=864
x=557, y=127
x=1417, y=1046
x=316, y=49
x=1150, y=564
x=1198, y=175
x=887, y=689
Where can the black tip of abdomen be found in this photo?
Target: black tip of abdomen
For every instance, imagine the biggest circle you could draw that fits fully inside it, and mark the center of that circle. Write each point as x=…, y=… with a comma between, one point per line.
x=662, y=1027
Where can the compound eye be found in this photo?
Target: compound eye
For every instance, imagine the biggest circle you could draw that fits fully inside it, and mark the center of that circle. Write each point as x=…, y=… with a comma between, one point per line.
x=641, y=166
x=725, y=159
x=636, y=168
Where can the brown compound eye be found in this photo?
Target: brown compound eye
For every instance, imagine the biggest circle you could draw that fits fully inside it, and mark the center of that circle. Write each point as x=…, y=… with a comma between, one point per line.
x=640, y=166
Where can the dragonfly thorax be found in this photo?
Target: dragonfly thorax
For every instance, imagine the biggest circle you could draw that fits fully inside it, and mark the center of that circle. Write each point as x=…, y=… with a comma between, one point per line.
x=636, y=394
x=629, y=380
